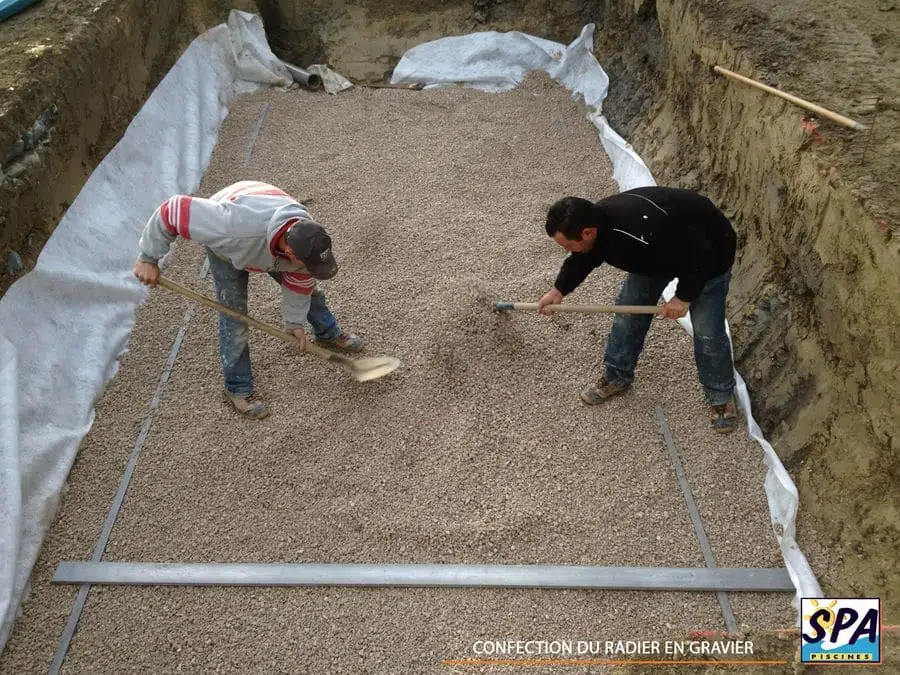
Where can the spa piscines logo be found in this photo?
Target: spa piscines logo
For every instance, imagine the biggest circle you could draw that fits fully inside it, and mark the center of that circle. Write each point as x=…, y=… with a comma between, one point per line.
x=840, y=630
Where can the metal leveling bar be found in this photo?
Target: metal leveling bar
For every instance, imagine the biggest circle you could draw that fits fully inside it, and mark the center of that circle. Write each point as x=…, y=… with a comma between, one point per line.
x=424, y=574
x=708, y=555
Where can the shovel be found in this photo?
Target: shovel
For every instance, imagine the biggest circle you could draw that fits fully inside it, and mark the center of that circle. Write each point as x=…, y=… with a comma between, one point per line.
x=362, y=370
x=583, y=309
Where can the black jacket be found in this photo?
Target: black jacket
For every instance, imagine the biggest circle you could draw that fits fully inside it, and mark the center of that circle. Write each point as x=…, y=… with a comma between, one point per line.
x=659, y=232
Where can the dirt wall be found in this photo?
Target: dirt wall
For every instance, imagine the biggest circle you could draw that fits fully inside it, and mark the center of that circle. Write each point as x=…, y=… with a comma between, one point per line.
x=74, y=74
x=365, y=39
x=816, y=297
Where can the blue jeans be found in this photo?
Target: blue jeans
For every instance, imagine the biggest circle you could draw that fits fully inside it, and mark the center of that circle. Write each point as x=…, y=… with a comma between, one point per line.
x=234, y=347
x=712, y=349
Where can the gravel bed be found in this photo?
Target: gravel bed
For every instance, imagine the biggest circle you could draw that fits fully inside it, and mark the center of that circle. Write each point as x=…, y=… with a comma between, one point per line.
x=477, y=450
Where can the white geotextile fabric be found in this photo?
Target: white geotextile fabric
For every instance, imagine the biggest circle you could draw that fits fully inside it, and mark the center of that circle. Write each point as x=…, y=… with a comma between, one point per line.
x=494, y=61
x=64, y=325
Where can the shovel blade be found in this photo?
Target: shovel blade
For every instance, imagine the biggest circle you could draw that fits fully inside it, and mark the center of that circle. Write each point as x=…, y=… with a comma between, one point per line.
x=373, y=367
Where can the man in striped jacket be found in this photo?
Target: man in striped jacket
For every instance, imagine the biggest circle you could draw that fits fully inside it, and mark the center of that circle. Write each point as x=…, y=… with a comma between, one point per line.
x=251, y=227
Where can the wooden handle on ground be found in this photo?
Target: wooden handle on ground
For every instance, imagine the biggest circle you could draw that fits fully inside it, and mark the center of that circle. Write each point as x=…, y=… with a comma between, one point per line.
x=796, y=100
x=415, y=86
x=584, y=309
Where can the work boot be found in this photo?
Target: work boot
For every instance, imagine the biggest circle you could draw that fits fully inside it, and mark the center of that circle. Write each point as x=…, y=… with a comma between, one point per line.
x=723, y=418
x=345, y=342
x=248, y=406
x=602, y=391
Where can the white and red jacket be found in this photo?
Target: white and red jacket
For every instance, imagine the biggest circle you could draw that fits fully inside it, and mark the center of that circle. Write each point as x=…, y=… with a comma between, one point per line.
x=242, y=224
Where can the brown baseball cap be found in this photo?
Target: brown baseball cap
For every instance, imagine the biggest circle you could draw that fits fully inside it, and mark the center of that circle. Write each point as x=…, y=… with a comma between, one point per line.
x=310, y=242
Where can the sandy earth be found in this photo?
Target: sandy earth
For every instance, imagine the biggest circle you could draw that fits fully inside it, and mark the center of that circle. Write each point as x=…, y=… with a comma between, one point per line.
x=476, y=451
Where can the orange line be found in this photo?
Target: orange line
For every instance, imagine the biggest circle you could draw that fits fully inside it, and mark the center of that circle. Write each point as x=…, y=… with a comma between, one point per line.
x=795, y=629
x=597, y=662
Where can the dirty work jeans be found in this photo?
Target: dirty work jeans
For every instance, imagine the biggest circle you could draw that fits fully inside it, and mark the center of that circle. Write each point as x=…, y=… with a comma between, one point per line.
x=712, y=350
x=234, y=348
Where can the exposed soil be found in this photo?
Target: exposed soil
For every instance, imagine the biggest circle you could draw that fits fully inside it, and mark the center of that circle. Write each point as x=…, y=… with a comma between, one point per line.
x=366, y=39
x=74, y=74
x=816, y=297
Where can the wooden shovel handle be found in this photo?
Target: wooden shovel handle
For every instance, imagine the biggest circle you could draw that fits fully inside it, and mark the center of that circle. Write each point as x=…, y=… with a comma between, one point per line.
x=584, y=309
x=315, y=350
x=796, y=100
x=233, y=313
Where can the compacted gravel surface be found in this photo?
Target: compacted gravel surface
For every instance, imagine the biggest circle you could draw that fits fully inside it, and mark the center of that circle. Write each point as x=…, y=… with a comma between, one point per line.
x=477, y=450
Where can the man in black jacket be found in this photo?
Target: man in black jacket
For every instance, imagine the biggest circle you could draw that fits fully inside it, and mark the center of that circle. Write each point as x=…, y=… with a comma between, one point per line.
x=655, y=234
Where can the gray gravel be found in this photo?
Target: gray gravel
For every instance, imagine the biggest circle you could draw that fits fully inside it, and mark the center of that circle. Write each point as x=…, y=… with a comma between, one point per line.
x=477, y=450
